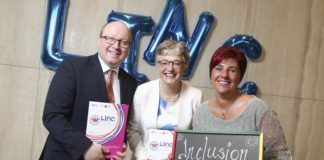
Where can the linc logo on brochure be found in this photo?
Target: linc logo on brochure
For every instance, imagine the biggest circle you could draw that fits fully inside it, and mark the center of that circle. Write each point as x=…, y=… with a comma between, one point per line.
x=166, y=144
x=108, y=118
x=94, y=119
x=156, y=145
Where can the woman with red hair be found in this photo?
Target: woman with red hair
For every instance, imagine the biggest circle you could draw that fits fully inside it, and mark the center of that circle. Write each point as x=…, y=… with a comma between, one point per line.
x=233, y=111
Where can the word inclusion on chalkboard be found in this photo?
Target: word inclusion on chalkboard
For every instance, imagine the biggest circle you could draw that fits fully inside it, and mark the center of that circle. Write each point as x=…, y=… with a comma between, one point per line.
x=193, y=145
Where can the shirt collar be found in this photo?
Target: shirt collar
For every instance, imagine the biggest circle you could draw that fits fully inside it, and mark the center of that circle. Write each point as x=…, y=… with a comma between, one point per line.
x=105, y=67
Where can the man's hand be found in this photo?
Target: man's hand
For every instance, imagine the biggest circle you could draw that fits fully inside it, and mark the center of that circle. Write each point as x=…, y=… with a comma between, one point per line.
x=95, y=152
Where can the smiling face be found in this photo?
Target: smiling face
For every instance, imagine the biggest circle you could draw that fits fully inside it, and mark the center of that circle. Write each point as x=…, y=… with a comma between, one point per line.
x=172, y=59
x=225, y=77
x=171, y=68
x=114, y=53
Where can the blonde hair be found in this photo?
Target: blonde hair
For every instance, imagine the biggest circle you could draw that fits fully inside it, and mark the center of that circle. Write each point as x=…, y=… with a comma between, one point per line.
x=171, y=47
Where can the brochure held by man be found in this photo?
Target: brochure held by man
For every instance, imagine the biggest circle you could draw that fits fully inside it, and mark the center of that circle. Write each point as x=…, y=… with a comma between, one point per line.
x=106, y=125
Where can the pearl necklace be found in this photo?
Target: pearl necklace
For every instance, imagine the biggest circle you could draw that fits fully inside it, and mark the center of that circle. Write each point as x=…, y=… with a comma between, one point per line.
x=168, y=98
x=171, y=99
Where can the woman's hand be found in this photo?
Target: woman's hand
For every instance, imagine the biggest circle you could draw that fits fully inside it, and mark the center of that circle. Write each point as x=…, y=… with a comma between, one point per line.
x=95, y=152
x=170, y=156
x=121, y=155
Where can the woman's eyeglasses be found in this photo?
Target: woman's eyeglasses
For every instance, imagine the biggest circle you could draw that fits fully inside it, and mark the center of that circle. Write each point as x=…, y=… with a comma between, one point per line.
x=175, y=64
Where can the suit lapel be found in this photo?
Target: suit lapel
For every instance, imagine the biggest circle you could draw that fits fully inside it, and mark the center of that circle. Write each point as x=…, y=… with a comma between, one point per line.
x=98, y=78
x=123, y=86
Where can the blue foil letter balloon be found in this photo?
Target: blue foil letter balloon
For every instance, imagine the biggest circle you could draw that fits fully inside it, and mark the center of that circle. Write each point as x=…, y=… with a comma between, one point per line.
x=249, y=88
x=172, y=25
x=52, y=53
x=247, y=44
x=138, y=25
x=252, y=49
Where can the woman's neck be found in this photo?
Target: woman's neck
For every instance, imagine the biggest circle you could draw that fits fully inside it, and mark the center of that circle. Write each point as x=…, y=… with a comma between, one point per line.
x=226, y=101
x=170, y=91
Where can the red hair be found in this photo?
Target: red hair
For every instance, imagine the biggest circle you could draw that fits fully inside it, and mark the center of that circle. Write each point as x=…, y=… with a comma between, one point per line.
x=226, y=52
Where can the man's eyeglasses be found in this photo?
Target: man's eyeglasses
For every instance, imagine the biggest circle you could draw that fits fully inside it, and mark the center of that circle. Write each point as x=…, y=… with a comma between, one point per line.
x=175, y=64
x=112, y=41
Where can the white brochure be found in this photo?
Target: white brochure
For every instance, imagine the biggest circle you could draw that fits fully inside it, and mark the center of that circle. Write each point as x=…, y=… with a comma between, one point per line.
x=160, y=144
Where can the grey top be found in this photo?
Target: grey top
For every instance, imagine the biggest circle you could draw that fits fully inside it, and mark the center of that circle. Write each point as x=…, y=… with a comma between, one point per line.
x=257, y=116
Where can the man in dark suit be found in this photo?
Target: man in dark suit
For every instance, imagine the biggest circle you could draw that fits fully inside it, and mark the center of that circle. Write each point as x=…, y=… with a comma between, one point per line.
x=77, y=82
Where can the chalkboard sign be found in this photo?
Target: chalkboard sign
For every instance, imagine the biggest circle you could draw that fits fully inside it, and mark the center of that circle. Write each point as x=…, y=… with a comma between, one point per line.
x=197, y=145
